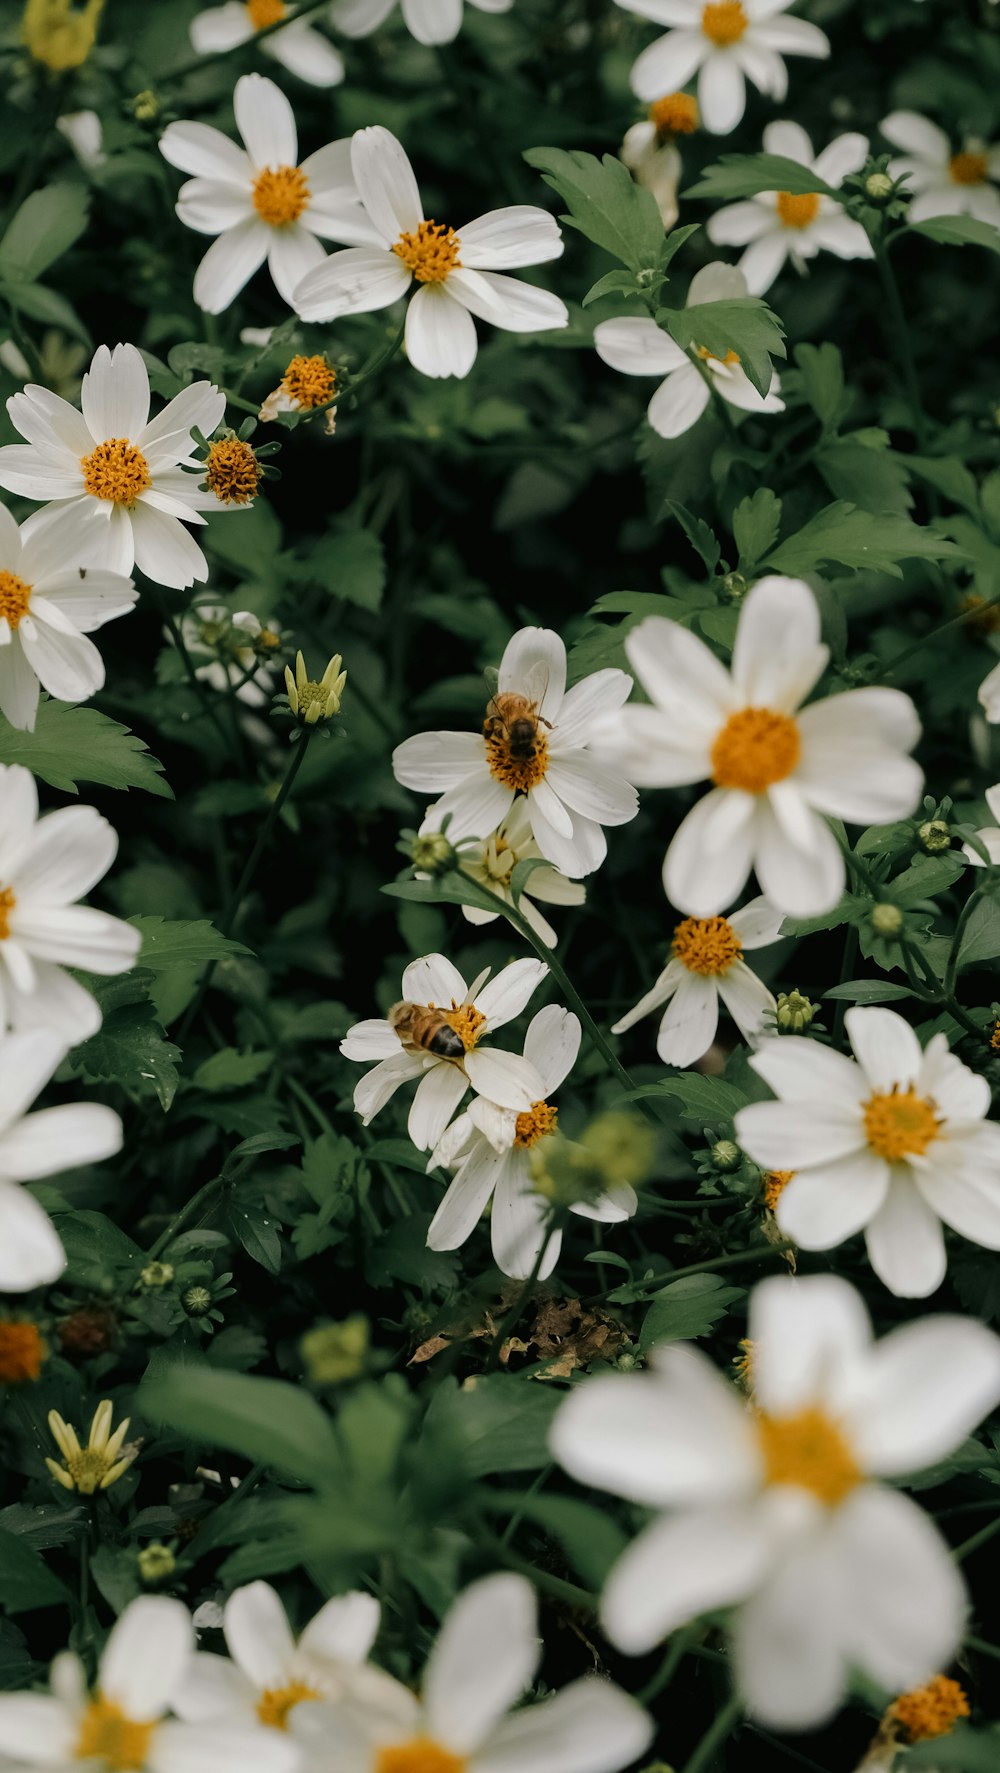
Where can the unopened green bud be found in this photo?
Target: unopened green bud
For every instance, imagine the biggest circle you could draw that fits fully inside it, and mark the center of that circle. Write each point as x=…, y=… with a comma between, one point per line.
x=794, y=1011
x=335, y=1352
x=935, y=835
x=145, y=106
x=157, y=1274
x=432, y=853
x=726, y=1155
x=887, y=919
x=627, y=1363
x=156, y=1562
x=878, y=187
x=196, y=1299
x=622, y=1147
x=735, y=585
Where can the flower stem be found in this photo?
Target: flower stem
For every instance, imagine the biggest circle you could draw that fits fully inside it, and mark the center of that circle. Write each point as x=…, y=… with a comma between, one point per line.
x=965, y=615
x=898, y=336
x=717, y=1733
x=984, y=1535
x=754, y=1254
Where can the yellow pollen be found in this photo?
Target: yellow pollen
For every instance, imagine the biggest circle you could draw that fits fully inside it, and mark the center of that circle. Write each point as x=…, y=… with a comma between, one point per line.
x=809, y=1451
x=900, y=1124
x=108, y=1736
x=265, y=12
x=431, y=253
x=309, y=381
x=467, y=1021
x=995, y=1037
x=116, y=471
x=22, y=1350
x=534, y=1123
x=775, y=1183
x=280, y=194
x=708, y=356
x=516, y=757
x=275, y=1703
x=797, y=209
x=232, y=471
x=7, y=905
x=930, y=1711
x=754, y=749
x=419, y=1756
x=706, y=945
x=15, y=598
x=968, y=169
x=724, y=22
x=677, y=114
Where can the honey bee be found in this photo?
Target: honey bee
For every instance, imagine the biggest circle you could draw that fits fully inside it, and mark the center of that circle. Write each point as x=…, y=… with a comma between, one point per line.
x=423, y=1028
x=514, y=722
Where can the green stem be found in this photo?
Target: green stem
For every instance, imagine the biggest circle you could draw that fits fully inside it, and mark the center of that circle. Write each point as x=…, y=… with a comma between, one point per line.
x=754, y=1254
x=202, y=695
x=898, y=335
x=197, y=62
x=187, y=1213
x=983, y=1647
x=951, y=970
x=368, y=370
x=717, y=1733
x=968, y=1546
x=963, y=616
x=567, y=1592
x=677, y=1648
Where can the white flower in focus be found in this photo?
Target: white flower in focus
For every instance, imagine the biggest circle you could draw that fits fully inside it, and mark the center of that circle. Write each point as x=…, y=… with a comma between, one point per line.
x=434, y=1034
x=706, y=964
x=85, y=135
x=45, y=866
x=300, y=48
x=534, y=743
x=778, y=770
x=779, y=225
x=492, y=1146
x=429, y=21
x=890, y=1145
x=458, y=271
x=989, y=836
x=49, y=603
x=259, y=201
x=33, y=1146
x=778, y=1511
x=638, y=347
x=492, y=861
x=650, y=150
x=725, y=42
x=943, y=182
x=121, y=473
x=123, y=1722
x=485, y=1656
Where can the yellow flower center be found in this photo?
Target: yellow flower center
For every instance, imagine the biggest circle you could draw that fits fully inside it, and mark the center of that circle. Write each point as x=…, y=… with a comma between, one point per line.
x=265, y=12
x=275, y=1703
x=108, y=1736
x=232, y=471
x=724, y=22
x=116, y=471
x=808, y=1450
x=775, y=1183
x=419, y=1756
x=467, y=1021
x=88, y=1469
x=930, y=1711
x=22, y=1350
x=755, y=749
x=534, y=1123
x=797, y=209
x=677, y=114
x=15, y=598
x=967, y=169
x=708, y=356
x=430, y=253
x=280, y=194
x=7, y=904
x=900, y=1124
x=707, y=945
x=309, y=381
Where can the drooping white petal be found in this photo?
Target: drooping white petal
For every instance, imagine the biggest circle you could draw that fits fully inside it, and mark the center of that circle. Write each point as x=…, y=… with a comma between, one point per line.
x=144, y=1659
x=385, y=179
x=591, y=1726
x=462, y=1207
x=436, y=1098
x=680, y=1567
x=440, y=336
x=484, y=1657
x=921, y=1391
x=905, y=1242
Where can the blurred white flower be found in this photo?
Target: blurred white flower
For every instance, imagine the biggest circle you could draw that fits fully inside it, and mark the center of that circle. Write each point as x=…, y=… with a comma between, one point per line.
x=779, y=225
x=989, y=836
x=429, y=21
x=650, y=150
x=725, y=42
x=988, y=696
x=706, y=965
x=300, y=48
x=213, y=636
x=943, y=182
x=61, y=362
x=491, y=861
x=84, y=132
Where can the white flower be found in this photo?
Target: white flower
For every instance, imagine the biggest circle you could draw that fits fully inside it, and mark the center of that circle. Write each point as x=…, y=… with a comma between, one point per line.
x=434, y=1034
x=123, y=1722
x=33, y=1146
x=638, y=347
x=300, y=48
x=729, y=42
x=457, y=270
x=707, y=964
x=988, y=696
x=258, y=199
x=777, y=1509
x=779, y=225
x=118, y=471
x=485, y=1657
x=429, y=21
x=60, y=362
x=891, y=1145
x=45, y=866
x=533, y=743
x=85, y=134
x=989, y=836
x=49, y=602
x=208, y=631
x=778, y=769
x=492, y=861
x=943, y=182
x=492, y=1146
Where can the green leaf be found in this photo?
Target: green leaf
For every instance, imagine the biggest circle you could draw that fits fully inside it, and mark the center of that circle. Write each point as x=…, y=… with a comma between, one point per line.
x=590, y=1537
x=744, y=324
x=756, y=521
x=868, y=991
x=702, y=539
x=267, y=1421
x=498, y=1423
x=862, y=469
x=981, y=936
x=686, y=1308
x=708, y=1101
x=71, y=745
x=258, y=1234
x=744, y=175
x=346, y=563
x=45, y=226
x=859, y=539
x=167, y=941
x=229, y=1069
x=26, y=1582
x=958, y=230
x=131, y=1049
x=950, y=477
x=444, y=889
x=925, y=878
x=612, y=283
x=605, y=204
x=822, y=371
x=962, y=1750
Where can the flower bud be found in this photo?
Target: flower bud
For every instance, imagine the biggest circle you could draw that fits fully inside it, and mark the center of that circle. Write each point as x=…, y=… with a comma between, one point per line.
x=157, y=1274
x=335, y=1352
x=726, y=1156
x=431, y=853
x=887, y=919
x=794, y=1011
x=156, y=1563
x=879, y=187
x=935, y=836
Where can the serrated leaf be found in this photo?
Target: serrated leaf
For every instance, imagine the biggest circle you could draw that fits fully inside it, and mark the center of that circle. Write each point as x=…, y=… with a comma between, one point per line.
x=605, y=204
x=71, y=745
x=131, y=1049
x=193, y=941
x=703, y=540
x=229, y=1069
x=981, y=935
x=686, y=1309
x=46, y=225
x=756, y=521
x=822, y=370
x=958, y=230
x=860, y=539
x=744, y=324
x=746, y=175
x=26, y=1581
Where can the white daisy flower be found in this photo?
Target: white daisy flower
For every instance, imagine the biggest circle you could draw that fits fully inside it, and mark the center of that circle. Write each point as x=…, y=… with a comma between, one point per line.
x=123, y=1722
x=492, y=861
x=118, y=471
x=492, y=1145
x=33, y=1146
x=434, y=1033
x=211, y=630
x=258, y=199
x=534, y=742
x=458, y=271
x=486, y=1654
x=49, y=602
x=706, y=965
x=778, y=769
x=890, y=1145
x=725, y=42
x=45, y=866
x=943, y=182
x=429, y=21
x=638, y=347
x=989, y=836
x=777, y=1510
x=300, y=48
x=779, y=225
x=650, y=150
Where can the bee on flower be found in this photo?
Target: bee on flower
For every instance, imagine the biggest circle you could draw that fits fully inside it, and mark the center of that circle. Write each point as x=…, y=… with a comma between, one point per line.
x=298, y=46
x=780, y=226
x=726, y=43
x=650, y=150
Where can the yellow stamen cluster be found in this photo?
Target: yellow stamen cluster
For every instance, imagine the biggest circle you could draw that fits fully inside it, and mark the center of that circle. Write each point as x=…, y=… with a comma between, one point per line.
x=59, y=34
x=724, y=22
x=116, y=471
x=232, y=471
x=534, y=1123
x=419, y=1756
x=755, y=749
x=775, y=1183
x=676, y=114
x=810, y=1451
x=706, y=945
x=430, y=252
x=309, y=382
x=313, y=701
x=265, y=12
x=796, y=209
x=15, y=598
x=900, y=1124
x=22, y=1349
x=729, y=360
x=467, y=1021
x=7, y=905
x=744, y=1362
x=995, y=1037
x=280, y=194
x=275, y=1703
x=111, y=1739
x=930, y=1711
x=96, y=1466
x=968, y=169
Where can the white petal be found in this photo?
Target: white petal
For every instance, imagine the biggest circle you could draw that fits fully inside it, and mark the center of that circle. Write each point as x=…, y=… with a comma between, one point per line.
x=504, y=1078
x=679, y=673
x=30, y=1252
x=385, y=179
x=803, y=1333
x=828, y=1203
x=258, y=1635
x=885, y=1047
x=378, y=1086
x=668, y=64
x=678, y=402
x=740, y=223
x=433, y=980
x=680, y=1567
x=777, y=654
x=534, y=665
x=521, y=1237
x=437, y=1096
x=292, y=253
x=747, y=999
x=506, y=238
x=591, y=1726
x=210, y=206
x=721, y=93
x=343, y=1630
x=38, y=1729
x=803, y=1070
x=689, y=1025
x=210, y=1747
x=143, y=1662
x=922, y=1391
x=205, y=152
x=507, y=302
x=373, y=1039
x=552, y=1044
x=907, y=1599
x=57, y=1139
x=798, y=1135
x=786, y=1640
x=356, y=281
x=18, y=688
x=967, y=1200
x=307, y=54
x=918, y=136
x=905, y=1242
x=710, y=856
x=69, y=666
x=596, y=697
x=791, y=141
x=440, y=337
x=508, y=994
x=804, y=881
x=229, y=263
x=266, y=122
x=115, y=393
x=464, y=1203
x=792, y=36
x=484, y=1658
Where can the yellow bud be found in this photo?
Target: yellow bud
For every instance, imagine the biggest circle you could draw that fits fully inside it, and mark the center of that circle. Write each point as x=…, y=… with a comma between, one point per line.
x=335, y=1352
x=58, y=34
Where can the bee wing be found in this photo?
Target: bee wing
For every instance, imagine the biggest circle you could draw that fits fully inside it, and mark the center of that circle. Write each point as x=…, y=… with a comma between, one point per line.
x=536, y=682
